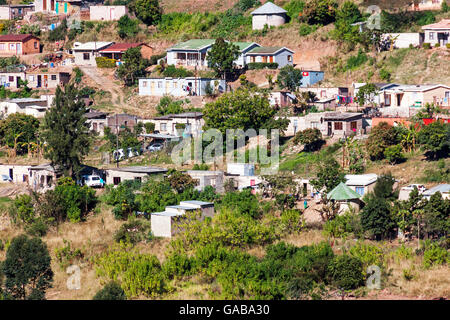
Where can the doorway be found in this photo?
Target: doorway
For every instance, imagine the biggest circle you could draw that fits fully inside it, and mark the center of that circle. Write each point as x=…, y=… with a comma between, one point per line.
x=330, y=130
x=11, y=174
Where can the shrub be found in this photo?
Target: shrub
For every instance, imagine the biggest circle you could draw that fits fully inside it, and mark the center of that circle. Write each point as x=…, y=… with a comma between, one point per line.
x=66, y=255
x=448, y=45
x=154, y=58
x=174, y=72
x=243, y=202
x=346, y=272
x=111, y=291
x=38, y=228
x=139, y=273
x=178, y=265
x=368, y=254
x=133, y=231
x=262, y=65
x=435, y=255
x=354, y=62
x=291, y=221
x=426, y=45
x=385, y=75
x=103, y=62
x=408, y=274
x=437, y=45
x=22, y=210
x=343, y=226
x=306, y=29
x=394, y=154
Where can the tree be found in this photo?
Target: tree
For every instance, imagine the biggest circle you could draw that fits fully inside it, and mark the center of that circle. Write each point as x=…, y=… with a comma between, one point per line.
x=27, y=269
x=345, y=272
x=180, y=181
x=437, y=216
x=329, y=175
x=366, y=94
x=384, y=188
x=394, y=154
x=242, y=109
x=127, y=27
x=221, y=57
x=320, y=11
x=65, y=130
x=168, y=106
x=148, y=11
x=381, y=136
x=18, y=131
x=133, y=66
x=289, y=78
x=311, y=138
x=435, y=139
x=111, y=291
x=376, y=217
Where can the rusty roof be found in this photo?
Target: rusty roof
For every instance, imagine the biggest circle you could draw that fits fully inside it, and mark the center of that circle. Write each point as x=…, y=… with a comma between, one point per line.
x=16, y=37
x=122, y=47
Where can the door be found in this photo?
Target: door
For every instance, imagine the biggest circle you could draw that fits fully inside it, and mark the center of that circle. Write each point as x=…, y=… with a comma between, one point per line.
x=45, y=81
x=11, y=173
x=17, y=82
x=111, y=14
x=45, y=5
x=271, y=59
x=52, y=5
x=330, y=130
x=39, y=81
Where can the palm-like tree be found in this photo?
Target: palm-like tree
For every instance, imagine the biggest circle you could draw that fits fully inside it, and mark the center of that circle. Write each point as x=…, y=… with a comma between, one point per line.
x=409, y=138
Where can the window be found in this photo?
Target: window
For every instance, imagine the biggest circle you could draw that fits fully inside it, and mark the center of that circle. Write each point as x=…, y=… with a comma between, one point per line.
x=116, y=180
x=139, y=179
x=431, y=35
x=163, y=127
x=86, y=56
x=12, y=46
x=289, y=57
x=144, y=83
x=359, y=190
x=314, y=125
x=338, y=126
x=53, y=76
x=160, y=84
x=30, y=78
x=353, y=125
x=2, y=47
x=35, y=45
x=11, y=78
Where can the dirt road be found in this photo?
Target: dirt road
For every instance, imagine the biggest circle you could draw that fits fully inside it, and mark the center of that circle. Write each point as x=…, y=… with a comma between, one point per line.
x=105, y=83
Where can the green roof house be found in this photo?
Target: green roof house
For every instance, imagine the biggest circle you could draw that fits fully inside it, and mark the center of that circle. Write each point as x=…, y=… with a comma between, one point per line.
x=281, y=55
x=345, y=196
x=192, y=53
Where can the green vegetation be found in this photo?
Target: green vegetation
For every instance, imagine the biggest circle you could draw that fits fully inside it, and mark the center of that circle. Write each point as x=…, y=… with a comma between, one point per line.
x=289, y=78
x=133, y=66
x=111, y=291
x=221, y=56
x=18, y=131
x=262, y=65
x=103, y=62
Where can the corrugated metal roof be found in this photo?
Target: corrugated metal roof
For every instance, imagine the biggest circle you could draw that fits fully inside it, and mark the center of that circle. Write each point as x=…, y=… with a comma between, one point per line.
x=442, y=188
x=194, y=44
x=16, y=37
x=342, y=192
x=140, y=169
x=269, y=8
x=99, y=45
x=122, y=47
x=360, y=179
x=267, y=50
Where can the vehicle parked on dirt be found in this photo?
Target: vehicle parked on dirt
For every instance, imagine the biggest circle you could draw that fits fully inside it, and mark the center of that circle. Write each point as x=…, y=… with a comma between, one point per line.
x=93, y=181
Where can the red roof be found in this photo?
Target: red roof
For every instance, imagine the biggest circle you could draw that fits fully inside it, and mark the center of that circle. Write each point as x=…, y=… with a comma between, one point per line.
x=16, y=37
x=122, y=47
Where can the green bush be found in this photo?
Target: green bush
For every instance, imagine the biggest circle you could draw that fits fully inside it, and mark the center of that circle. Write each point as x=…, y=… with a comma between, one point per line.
x=426, y=45
x=354, y=62
x=394, y=154
x=346, y=272
x=178, y=265
x=306, y=29
x=368, y=254
x=435, y=255
x=133, y=231
x=103, y=62
x=111, y=291
x=174, y=72
x=22, y=210
x=243, y=202
x=448, y=45
x=343, y=226
x=154, y=58
x=385, y=75
x=67, y=255
x=38, y=228
x=262, y=65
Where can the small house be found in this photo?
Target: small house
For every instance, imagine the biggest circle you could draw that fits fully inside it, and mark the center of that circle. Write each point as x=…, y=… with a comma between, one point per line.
x=281, y=98
x=85, y=53
x=437, y=33
x=46, y=78
x=345, y=197
x=15, y=11
x=191, y=121
x=341, y=124
x=361, y=183
x=15, y=173
x=444, y=189
x=68, y=7
x=280, y=55
x=117, y=50
x=30, y=106
x=97, y=121
x=243, y=169
x=326, y=92
x=192, y=53
x=415, y=95
x=421, y=5
x=166, y=224
x=310, y=78
x=121, y=121
x=19, y=44
x=268, y=14
x=139, y=173
x=404, y=40
x=180, y=87
x=107, y=13
x=206, y=178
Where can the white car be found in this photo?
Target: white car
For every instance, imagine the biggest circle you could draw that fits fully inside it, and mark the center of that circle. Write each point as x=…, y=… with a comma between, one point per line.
x=419, y=187
x=119, y=154
x=155, y=147
x=93, y=181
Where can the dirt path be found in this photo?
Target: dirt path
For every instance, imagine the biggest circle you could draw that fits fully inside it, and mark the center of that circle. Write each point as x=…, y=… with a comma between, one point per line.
x=104, y=83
